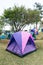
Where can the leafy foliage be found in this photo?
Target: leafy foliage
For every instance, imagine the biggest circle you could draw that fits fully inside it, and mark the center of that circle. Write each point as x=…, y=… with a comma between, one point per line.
x=19, y=16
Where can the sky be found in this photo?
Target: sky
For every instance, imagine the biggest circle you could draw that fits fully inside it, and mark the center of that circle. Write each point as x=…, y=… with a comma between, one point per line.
x=4, y=4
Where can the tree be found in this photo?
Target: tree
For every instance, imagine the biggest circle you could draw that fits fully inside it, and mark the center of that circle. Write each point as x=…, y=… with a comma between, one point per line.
x=17, y=17
x=1, y=22
x=34, y=16
x=38, y=6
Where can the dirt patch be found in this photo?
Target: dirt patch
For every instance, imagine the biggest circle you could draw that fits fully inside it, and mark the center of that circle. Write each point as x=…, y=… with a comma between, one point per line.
x=4, y=41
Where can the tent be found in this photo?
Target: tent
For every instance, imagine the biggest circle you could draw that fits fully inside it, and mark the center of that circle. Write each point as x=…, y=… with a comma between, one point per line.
x=36, y=31
x=9, y=35
x=21, y=43
x=3, y=36
x=33, y=34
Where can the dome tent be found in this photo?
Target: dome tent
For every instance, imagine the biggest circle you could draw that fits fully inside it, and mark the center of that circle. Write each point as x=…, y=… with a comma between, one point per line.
x=3, y=36
x=33, y=34
x=21, y=43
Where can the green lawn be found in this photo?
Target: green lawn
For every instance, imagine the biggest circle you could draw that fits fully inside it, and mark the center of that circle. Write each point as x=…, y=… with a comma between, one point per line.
x=35, y=58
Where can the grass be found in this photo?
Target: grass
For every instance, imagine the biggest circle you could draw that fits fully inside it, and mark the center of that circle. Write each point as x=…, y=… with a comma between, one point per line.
x=40, y=35
x=35, y=58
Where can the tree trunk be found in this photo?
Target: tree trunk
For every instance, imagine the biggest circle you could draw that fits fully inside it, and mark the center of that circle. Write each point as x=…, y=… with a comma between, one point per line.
x=13, y=28
x=36, y=25
x=16, y=28
x=36, y=29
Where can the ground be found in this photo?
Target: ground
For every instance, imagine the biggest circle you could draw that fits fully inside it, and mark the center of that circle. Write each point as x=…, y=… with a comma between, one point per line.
x=35, y=58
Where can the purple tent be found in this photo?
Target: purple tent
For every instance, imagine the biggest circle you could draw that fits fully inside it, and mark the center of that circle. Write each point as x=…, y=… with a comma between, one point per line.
x=21, y=43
